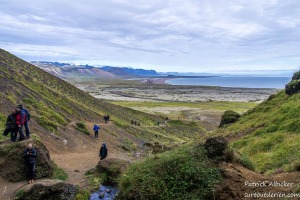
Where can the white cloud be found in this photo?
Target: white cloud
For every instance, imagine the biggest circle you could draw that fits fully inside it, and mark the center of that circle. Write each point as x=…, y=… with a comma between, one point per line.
x=192, y=35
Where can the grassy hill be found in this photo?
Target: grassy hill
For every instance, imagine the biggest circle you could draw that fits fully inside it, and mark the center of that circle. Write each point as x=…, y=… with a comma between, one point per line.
x=269, y=134
x=54, y=104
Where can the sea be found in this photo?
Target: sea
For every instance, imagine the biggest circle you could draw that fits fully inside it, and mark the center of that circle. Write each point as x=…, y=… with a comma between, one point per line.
x=233, y=81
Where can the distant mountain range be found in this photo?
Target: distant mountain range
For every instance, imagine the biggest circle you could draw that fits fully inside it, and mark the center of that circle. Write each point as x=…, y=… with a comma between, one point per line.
x=71, y=70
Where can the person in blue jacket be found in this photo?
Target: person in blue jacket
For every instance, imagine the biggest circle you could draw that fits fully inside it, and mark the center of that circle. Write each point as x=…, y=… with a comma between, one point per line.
x=30, y=160
x=96, y=130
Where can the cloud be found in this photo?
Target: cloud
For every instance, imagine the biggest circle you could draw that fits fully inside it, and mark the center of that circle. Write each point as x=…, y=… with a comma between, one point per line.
x=192, y=35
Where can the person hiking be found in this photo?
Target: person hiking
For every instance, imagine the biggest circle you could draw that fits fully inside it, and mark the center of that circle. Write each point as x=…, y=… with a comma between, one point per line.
x=12, y=126
x=30, y=159
x=103, y=152
x=96, y=130
x=20, y=124
x=108, y=118
x=26, y=117
x=105, y=119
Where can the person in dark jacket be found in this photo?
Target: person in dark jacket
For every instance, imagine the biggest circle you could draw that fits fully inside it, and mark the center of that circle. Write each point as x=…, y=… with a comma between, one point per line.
x=12, y=125
x=96, y=130
x=20, y=124
x=105, y=119
x=103, y=152
x=26, y=117
x=30, y=159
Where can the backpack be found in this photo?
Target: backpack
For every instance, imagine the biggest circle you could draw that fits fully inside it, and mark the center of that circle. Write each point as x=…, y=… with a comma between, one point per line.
x=27, y=114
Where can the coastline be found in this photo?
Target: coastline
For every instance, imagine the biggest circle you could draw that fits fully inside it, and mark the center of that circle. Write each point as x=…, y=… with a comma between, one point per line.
x=156, y=81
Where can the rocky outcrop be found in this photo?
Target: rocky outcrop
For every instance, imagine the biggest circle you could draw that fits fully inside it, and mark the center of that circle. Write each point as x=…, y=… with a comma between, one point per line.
x=12, y=165
x=216, y=147
x=293, y=86
x=112, y=168
x=229, y=117
x=48, y=189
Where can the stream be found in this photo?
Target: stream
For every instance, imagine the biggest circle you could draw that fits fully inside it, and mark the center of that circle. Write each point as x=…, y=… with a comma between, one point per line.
x=107, y=192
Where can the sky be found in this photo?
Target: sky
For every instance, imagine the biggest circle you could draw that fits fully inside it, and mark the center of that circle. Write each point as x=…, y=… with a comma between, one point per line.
x=174, y=35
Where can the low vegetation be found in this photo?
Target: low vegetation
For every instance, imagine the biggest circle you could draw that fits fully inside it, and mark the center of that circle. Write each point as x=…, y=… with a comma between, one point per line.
x=229, y=117
x=293, y=86
x=184, y=173
x=80, y=126
x=269, y=134
x=59, y=173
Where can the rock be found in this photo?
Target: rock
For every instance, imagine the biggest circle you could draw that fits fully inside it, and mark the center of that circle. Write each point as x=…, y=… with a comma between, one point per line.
x=76, y=170
x=216, y=147
x=12, y=165
x=108, y=191
x=101, y=195
x=112, y=168
x=50, y=190
x=229, y=117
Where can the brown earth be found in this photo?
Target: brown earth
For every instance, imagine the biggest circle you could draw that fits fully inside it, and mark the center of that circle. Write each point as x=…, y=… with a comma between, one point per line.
x=237, y=183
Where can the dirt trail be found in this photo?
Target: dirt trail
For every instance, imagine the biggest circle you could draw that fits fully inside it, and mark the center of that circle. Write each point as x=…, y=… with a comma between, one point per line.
x=86, y=155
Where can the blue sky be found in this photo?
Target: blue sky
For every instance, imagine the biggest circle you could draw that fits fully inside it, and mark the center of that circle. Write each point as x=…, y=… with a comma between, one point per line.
x=185, y=36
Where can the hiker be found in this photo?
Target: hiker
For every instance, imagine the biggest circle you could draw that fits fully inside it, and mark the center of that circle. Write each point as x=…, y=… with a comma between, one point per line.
x=96, y=130
x=135, y=123
x=30, y=155
x=11, y=125
x=103, y=152
x=26, y=117
x=105, y=119
x=132, y=122
x=20, y=124
x=108, y=118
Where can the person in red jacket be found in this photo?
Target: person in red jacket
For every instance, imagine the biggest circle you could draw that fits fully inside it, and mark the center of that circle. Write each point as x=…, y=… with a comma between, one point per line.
x=20, y=120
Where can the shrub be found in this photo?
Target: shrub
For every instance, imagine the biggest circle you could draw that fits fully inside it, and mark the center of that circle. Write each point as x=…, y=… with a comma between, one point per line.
x=229, y=117
x=292, y=87
x=83, y=195
x=185, y=173
x=296, y=76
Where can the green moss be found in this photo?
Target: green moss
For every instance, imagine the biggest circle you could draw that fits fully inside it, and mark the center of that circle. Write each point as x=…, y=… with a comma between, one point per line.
x=47, y=124
x=80, y=126
x=83, y=195
x=59, y=173
x=185, y=172
x=19, y=194
x=269, y=134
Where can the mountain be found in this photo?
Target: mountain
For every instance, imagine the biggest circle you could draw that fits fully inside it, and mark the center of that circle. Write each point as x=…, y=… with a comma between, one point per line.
x=70, y=70
x=126, y=71
x=56, y=105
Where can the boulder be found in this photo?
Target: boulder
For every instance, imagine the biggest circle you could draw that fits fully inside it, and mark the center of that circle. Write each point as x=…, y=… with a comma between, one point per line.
x=48, y=189
x=12, y=162
x=112, y=169
x=229, y=117
x=216, y=147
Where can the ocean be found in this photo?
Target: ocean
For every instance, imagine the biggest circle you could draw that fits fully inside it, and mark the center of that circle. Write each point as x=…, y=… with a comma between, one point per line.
x=234, y=81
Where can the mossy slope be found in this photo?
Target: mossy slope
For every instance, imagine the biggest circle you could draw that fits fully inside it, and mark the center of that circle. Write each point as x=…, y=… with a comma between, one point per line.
x=269, y=134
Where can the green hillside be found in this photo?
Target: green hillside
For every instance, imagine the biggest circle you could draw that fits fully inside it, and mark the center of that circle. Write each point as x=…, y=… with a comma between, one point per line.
x=269, y=135
x=54, y=104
